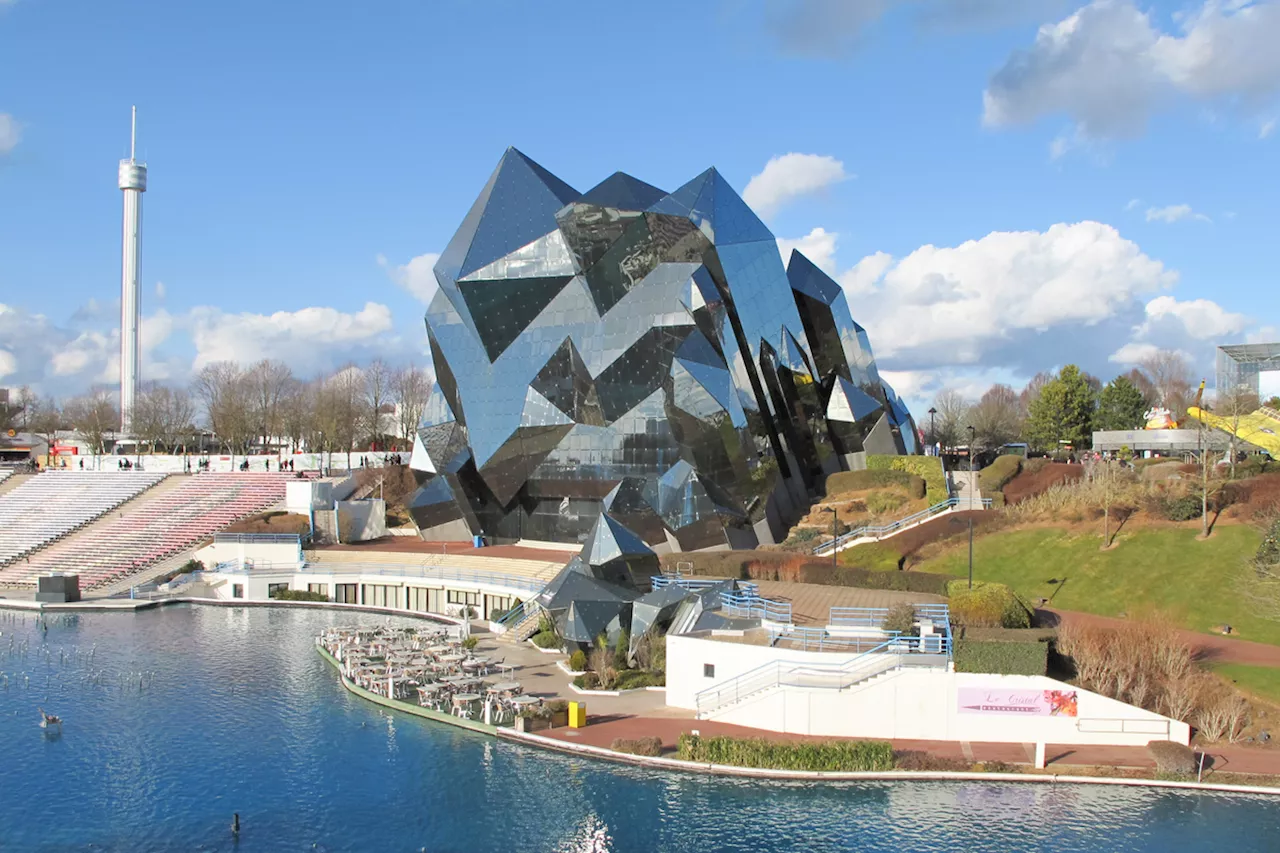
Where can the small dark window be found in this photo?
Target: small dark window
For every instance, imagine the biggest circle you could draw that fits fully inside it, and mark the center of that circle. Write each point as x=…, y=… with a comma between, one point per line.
x=237, y=590
x=708, y=670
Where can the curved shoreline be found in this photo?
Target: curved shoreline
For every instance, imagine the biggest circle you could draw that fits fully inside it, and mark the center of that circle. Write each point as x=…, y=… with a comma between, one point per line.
x=602, y=754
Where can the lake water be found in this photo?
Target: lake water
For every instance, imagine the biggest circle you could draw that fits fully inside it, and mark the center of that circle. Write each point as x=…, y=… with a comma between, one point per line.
x=176, y=718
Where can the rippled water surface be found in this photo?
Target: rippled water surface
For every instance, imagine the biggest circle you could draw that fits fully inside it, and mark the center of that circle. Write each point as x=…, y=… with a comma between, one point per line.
x=177, y=718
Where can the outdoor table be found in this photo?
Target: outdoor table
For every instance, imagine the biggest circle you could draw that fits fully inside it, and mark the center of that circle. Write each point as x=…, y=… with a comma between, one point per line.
x=440, y=649
x=507, y=669
x=452, y=658
x=507, y=687
x=453, y=679
x=522, y=701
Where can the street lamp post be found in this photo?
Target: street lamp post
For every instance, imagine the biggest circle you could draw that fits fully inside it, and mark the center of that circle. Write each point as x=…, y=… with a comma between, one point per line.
x=933, y=433
x=835, y=533
x=972, y=486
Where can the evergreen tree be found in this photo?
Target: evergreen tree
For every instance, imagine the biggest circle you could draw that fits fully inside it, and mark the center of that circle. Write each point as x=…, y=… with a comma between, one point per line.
x=1121, y=406
x=1063, y=411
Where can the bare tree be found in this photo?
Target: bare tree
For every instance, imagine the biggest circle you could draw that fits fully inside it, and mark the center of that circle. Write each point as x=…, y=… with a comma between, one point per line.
x=44, y=418
x=378, y=381
x=1233, y=405
x=297, y=413
x=1171, y=379
x=149, y=412
x=345, y=399
x=1031, y=392
x=228, y=405
x=179, y=421
x=412, y=390
x=995, y=417
x=269, y=384
x=953, y=416
x=95, y=417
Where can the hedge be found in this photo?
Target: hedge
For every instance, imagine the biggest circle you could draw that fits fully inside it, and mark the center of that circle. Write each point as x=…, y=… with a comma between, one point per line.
x=298, y=595
x=843, y=756
x=858, y=481
x=991, y=605
x=997, y=475
x=929, y=468
x=998, y=657
x=1171, y=758
x=780, y=566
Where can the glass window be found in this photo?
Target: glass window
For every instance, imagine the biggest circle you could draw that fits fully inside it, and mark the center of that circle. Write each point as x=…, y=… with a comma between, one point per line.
x=708, y=670
x=237, y=590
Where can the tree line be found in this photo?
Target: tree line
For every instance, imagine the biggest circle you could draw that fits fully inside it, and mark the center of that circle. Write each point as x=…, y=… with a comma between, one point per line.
x=1056, y=409
x=237, y=408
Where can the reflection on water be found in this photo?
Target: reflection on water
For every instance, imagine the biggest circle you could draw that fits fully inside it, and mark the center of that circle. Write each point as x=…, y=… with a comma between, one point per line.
x=175, y=719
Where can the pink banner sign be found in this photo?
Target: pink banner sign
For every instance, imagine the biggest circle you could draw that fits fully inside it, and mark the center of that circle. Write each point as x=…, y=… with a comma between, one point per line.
x=1021, y=703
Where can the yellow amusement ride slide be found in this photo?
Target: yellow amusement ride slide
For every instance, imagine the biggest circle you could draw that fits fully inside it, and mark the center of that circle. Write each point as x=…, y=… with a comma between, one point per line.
x=1260, y=428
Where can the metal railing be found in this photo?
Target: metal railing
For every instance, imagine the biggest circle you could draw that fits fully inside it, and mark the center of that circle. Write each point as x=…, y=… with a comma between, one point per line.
x=879, y=531
x=396, y=570
x=891, y=654
x=701, y=583
x=804, y=639
x=873, y=617
x=752, y=606
x=1108, y=725
x=256, y=538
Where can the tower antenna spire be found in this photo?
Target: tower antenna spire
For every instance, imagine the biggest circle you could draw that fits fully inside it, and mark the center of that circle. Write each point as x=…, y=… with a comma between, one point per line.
x=133, y=136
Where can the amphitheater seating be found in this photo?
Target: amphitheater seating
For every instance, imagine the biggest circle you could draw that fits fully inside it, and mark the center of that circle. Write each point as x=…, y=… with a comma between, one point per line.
x=55, y=503
x=154, y=529
x=5, y=473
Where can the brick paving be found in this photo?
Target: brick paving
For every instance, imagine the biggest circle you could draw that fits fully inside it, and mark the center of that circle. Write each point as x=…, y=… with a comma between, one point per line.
x=603, y=728
x=810, y=603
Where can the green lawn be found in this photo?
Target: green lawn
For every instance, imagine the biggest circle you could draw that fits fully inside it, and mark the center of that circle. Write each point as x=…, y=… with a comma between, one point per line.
x=1194, y=583
x=1261, y=681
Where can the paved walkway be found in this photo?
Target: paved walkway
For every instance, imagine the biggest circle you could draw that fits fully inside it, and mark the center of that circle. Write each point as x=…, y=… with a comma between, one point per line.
x=811, y=603
x=1210, y=648
x=968, y=495
x=603, y=729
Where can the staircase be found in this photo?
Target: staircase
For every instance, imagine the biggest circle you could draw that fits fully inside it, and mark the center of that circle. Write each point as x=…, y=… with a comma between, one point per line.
x=880, y=662
x=874, y=533
x=520, y=624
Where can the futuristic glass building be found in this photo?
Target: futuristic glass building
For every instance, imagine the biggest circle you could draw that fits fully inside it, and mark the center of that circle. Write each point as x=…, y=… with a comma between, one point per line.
x=638, y=352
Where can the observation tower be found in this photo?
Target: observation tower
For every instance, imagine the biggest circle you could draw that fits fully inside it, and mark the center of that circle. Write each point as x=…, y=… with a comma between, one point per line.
x=133, y=182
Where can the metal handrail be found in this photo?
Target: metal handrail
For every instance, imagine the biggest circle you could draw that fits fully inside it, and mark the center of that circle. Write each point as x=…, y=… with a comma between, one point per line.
x=877, y=532
x=695, y=584
x=893, y=653
x=255, y=538
x=873, y=617
x=752, y=606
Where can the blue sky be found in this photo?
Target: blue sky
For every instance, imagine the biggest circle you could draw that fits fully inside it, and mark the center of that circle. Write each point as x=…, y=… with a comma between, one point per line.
x=1002, y=186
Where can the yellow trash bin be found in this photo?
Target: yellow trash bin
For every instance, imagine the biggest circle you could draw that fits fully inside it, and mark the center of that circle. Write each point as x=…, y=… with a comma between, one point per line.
x=577, y=715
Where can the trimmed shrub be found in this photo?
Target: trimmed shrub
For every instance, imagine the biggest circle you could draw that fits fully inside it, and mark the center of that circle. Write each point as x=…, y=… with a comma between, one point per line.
x=859, y=481
x=470, y=643
x=997, y=475
x=900, y=619
x=546, y=640
x=298, y=595
x=871, y=556
x=842, y=756
x=1172, y=758
x=1002, y=658
x=630, y=679
x=622, y=651
x=647, y=746
x=774, y=565
x=989, y=605
x=1184, y=508
x=927, y=467
x=578, y=661
x=925, y=762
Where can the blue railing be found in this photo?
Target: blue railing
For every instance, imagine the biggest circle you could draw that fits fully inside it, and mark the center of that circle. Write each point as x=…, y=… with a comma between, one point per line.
x=873, y=617
x=752, y=606
x=876, y=532
x=516, y=615
x=255, y=538
x=696, y=584
x=818, y=640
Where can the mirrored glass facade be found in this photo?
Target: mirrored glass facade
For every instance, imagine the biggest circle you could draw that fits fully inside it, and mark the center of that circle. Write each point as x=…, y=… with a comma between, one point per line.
x=641, y=353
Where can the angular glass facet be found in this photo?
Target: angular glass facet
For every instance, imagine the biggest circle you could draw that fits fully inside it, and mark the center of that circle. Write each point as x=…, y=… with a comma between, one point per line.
x=630, y=366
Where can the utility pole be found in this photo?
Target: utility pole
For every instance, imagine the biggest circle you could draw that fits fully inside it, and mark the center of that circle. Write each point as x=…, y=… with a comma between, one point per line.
x=972, y=486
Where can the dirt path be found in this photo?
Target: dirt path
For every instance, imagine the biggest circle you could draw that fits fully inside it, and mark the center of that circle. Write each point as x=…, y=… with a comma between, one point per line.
x=1210, y=648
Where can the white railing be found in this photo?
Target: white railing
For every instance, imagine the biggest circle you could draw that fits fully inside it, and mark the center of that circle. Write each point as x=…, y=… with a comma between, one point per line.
x=438, y=573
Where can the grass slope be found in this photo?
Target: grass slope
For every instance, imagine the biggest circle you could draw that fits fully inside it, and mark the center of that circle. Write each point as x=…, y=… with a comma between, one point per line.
x=1164, y=569
x=1260, y=681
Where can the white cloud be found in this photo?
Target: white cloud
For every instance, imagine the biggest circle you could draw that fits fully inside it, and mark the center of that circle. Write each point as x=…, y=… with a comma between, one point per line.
x=10, y=132
x=1108, y=66
x=1133, y=353
x=862, y=277
x=8, y=364
x=790, y=176
x=416, y=277
x=306, y=339
x=1203, y=319
x=983, y=301
x=1268, y=127
x=161, y=290
x=819, y=246
x=1174, y=213
x=1133, y=203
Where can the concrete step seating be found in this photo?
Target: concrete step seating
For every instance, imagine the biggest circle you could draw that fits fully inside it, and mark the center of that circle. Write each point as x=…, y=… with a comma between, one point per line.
x=537, y=569
x=51, y=505
x=5, y=473
x=152, y=530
